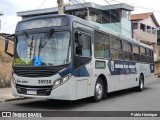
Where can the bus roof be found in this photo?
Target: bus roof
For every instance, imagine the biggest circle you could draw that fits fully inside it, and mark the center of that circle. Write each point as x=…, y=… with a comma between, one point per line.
x=92, y=25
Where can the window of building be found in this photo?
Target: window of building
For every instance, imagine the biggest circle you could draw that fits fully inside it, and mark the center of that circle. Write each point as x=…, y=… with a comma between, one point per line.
x=79, y=13
x=95, y=16
x=148, y=29
x=116, y=48
x=82, y=44
x=154, y=31
x=135, y=25
x=110, y=16
x=101, y=45
x=105, y=17
x=114, y=16
x=126, y=14
x=142, y=27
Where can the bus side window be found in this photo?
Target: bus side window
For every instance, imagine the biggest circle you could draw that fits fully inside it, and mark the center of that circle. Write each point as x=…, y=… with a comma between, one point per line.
x=116, y=48
x=127, y=51
x=82, y=45
x=101, y=45
x=78, y=46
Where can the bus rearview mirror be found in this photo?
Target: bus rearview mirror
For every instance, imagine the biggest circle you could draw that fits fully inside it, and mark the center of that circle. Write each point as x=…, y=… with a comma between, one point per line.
x=6, y=45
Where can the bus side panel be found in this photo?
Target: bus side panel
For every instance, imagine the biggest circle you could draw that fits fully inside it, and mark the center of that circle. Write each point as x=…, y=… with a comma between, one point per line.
x=147, y=70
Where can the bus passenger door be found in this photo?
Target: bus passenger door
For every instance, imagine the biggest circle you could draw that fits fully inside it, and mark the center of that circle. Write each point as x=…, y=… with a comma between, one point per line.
x=82, y=62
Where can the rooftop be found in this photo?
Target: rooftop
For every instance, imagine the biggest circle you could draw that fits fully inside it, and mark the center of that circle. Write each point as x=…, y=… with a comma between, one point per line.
x=142, y=16
x=74, y=7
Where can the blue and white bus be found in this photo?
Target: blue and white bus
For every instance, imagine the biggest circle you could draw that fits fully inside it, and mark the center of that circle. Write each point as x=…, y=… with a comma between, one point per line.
x=67, y=58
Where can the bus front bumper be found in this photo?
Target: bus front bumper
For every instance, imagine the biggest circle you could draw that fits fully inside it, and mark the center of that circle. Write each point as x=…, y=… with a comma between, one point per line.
x=64, y=92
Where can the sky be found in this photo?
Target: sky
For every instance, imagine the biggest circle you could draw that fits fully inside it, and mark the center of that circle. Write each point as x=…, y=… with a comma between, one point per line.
x=11, y=7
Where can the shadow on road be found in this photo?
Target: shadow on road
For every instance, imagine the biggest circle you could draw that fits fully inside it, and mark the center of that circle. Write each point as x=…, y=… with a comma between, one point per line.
x=125, y=92
x=70, y=105
x=54, y=104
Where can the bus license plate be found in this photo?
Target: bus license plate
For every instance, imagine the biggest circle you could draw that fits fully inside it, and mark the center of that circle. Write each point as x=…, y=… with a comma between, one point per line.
x=32, y=92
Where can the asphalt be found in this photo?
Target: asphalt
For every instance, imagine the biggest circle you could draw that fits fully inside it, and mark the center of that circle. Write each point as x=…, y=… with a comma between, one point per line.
x=6, y=95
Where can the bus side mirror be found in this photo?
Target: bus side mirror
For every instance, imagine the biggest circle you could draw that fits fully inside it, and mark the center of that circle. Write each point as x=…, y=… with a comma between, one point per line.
x=6, y=45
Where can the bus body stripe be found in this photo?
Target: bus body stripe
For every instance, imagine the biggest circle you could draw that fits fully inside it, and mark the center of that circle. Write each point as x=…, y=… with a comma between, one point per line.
x=81, y=72
x=66, y=71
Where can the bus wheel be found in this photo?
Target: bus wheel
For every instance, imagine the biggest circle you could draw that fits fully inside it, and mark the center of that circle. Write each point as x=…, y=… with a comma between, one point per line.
x=141, y=84
x=99, y=91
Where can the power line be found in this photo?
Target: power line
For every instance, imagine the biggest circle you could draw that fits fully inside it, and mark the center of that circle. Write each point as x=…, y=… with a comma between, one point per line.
x=93, y=10
x=111, y=20
x=148, y=8
x=104, y=17
x=124, y=28
x=42, y=4
x=141, y=38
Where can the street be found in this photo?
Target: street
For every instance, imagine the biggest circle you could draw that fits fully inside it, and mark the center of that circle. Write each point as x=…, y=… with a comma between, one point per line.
x=126, y=100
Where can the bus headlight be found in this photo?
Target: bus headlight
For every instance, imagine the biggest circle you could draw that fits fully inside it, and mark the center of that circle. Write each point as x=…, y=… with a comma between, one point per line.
x=60, y=81
x=13, y=81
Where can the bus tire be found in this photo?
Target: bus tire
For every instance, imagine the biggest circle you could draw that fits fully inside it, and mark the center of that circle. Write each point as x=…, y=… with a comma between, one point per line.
x=98, y=91
x=141, y=84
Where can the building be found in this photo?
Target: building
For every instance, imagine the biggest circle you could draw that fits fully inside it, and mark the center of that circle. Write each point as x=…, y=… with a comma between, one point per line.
x=114, y=17
x=145, y=28
x=1, y=13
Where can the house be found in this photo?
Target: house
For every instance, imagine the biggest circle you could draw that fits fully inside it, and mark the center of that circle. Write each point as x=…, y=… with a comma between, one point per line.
x=144, y=28
x=113, y=17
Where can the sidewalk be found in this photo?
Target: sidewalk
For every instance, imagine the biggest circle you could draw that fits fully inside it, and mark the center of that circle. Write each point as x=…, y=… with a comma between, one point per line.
x=6, y=95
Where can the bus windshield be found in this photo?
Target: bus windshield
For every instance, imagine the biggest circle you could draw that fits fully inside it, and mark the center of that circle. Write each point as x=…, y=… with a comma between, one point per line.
x=43, y=49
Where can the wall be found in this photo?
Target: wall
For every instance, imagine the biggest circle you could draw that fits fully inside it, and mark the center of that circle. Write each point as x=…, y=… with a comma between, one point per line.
x=123, y=27
x=157, y=69
x=5, y=64
x=144, y=36
x=126, y=27
x=158, y=52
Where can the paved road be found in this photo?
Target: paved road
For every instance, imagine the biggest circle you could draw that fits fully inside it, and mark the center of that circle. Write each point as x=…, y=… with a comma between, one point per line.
x=126, y=100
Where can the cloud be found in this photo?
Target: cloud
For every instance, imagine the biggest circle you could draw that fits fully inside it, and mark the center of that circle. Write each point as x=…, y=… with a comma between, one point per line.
x=11, y=7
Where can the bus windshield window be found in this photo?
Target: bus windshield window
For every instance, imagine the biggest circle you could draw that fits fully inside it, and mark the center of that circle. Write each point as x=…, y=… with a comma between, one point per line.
x=36, y=51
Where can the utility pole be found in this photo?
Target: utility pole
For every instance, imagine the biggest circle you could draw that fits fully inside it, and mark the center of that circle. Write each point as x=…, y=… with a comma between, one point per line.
x=60, y=6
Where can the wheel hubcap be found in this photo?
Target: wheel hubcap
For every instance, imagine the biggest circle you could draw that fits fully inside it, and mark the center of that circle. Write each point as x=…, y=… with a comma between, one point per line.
x=99, y=90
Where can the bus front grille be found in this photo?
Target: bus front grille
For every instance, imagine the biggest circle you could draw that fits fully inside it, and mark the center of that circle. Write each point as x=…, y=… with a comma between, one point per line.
x=40, y=90
x=32, y=72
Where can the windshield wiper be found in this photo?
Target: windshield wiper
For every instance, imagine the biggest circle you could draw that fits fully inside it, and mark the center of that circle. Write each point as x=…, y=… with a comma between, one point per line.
x=28, y=38
x=43, y=41
x=46, y=38
x=29, y=44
